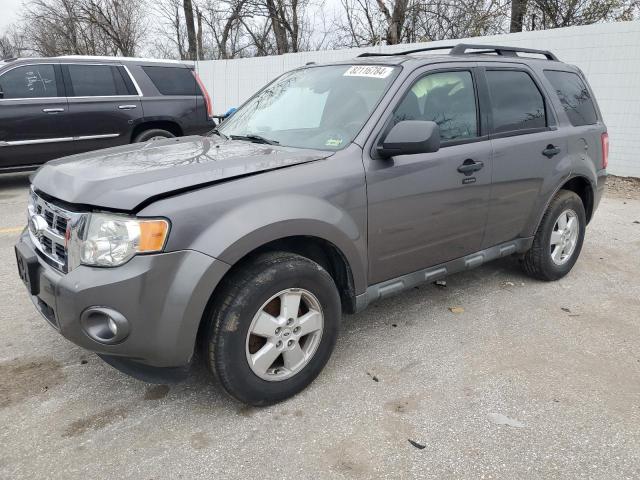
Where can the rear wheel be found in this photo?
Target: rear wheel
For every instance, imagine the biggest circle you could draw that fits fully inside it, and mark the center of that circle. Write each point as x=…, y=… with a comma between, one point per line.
x=273, y=328
x=559, y=238
x=152, y=134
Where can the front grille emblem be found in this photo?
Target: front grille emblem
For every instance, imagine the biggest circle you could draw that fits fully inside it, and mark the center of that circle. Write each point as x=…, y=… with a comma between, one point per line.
x=37, y=225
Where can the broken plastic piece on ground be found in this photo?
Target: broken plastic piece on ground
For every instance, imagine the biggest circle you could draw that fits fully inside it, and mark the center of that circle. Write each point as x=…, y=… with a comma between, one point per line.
x=419, y=446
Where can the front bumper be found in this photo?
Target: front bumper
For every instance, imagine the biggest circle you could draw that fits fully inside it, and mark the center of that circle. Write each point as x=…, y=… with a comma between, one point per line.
x=162, y=296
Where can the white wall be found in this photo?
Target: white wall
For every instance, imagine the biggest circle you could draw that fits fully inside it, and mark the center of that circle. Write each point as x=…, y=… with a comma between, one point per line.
x=609, y=55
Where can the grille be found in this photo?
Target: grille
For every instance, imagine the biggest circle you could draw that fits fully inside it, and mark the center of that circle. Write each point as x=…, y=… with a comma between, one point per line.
x=48, y=229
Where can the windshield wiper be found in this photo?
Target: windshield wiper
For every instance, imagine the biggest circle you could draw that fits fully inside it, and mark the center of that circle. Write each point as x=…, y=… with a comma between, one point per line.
x=215, y=131
x=252, y=137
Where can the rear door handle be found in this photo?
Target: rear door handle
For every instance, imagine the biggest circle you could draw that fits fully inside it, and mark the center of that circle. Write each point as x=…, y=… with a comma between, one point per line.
x=469, y=166
x=127, y=107
x=550, y=151
x=53, y=110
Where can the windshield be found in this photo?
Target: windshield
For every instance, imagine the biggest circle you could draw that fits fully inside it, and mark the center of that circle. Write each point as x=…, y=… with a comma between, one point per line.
x=316, y=107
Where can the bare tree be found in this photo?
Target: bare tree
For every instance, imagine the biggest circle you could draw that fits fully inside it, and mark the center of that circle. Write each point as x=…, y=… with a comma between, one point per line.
x=121, y=21
x=224, y=19
x=368, y=22
x=89, y=27
x=444, y=19
x=518, y=10
x=12, y=43
x=543, y=14
x=285, y=17
x=191, y=29
x=170, y=34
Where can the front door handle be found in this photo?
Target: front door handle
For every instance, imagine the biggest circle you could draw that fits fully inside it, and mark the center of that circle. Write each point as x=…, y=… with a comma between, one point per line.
x=550, y=151
x=53, y=110
x=127, y=107
x=469, y=166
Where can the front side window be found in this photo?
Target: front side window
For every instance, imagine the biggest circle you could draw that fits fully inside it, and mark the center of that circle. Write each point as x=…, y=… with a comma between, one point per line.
x=96, y=81
x=30, y=81
x=315, y=107
x=574, y=96
x=446, y=98
x=516, y=102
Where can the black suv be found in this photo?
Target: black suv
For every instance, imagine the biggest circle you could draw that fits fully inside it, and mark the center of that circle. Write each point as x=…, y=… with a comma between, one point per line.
x=53, y=107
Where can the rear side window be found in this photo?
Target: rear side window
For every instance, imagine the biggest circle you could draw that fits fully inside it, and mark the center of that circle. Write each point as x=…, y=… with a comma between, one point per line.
x=173, y=80
x=30, y=81
x=96, y=81
x=574, y=97
x=516, y=102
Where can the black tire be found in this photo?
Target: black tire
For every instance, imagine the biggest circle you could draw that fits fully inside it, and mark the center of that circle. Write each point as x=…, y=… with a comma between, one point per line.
x=537, y=262
x=149, y=134
x=243, y=294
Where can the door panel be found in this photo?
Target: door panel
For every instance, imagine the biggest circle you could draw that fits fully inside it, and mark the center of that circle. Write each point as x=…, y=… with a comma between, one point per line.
x=422, y=211
x=528, y=150
x=519, y=171
x=33, y=116
x=103, y=122
x=101, y=112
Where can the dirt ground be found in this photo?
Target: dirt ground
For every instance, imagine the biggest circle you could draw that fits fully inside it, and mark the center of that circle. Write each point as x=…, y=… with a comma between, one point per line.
x=623, y=187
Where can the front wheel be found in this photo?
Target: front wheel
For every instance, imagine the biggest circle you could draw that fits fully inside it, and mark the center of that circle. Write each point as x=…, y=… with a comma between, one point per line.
x=273, y=327
x=559, y=238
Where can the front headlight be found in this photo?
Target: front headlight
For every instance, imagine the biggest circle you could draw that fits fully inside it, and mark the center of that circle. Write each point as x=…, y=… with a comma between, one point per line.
x=111, y=240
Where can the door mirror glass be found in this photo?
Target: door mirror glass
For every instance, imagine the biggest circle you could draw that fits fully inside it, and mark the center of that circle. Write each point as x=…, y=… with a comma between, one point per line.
x=409, y=137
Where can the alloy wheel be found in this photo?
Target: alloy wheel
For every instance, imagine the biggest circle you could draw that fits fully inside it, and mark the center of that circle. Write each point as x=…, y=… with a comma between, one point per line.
x=284, y=334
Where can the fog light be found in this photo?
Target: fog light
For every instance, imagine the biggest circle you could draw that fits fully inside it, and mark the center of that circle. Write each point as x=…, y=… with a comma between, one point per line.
x=104, y=325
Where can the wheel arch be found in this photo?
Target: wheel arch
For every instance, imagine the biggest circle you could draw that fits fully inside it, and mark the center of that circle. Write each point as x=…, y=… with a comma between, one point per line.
x=581, y=186
x=168, y=125
x=584, y=189
x=318, y=249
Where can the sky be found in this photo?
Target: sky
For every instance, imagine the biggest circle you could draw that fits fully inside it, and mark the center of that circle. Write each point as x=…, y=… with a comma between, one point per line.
x=9, y=12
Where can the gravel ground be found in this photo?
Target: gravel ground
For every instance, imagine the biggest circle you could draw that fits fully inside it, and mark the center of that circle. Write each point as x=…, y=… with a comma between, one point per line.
x=623, y=187
x=530, y=380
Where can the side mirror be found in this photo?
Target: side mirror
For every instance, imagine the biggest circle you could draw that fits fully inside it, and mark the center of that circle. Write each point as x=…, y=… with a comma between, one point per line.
x=409, y=137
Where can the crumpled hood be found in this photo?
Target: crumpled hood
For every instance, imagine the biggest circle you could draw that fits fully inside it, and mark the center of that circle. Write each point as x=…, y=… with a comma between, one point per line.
x=124, y=177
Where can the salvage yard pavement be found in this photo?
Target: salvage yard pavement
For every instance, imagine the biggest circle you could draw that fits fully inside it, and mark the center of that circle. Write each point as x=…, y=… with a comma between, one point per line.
x=523, y=379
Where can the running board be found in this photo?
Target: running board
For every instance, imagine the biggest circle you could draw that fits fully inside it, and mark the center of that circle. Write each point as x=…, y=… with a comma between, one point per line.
x=431, y=274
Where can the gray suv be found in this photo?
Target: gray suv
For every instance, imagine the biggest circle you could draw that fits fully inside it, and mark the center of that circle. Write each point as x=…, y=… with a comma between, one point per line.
x=53, y=107
x=333, y=186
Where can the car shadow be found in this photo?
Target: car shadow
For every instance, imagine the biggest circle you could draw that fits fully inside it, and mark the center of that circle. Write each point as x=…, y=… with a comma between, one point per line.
x=14, y=180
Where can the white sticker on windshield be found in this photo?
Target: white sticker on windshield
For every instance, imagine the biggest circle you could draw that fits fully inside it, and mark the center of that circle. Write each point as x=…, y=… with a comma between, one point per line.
x=374, y=71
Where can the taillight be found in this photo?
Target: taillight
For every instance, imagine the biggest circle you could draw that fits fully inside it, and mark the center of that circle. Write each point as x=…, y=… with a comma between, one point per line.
x=605, y=149
x=205, y=94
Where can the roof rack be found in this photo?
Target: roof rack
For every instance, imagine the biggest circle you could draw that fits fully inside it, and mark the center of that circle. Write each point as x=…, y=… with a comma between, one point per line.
x=461, y=49
x=120, y=59
x=406, y=52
